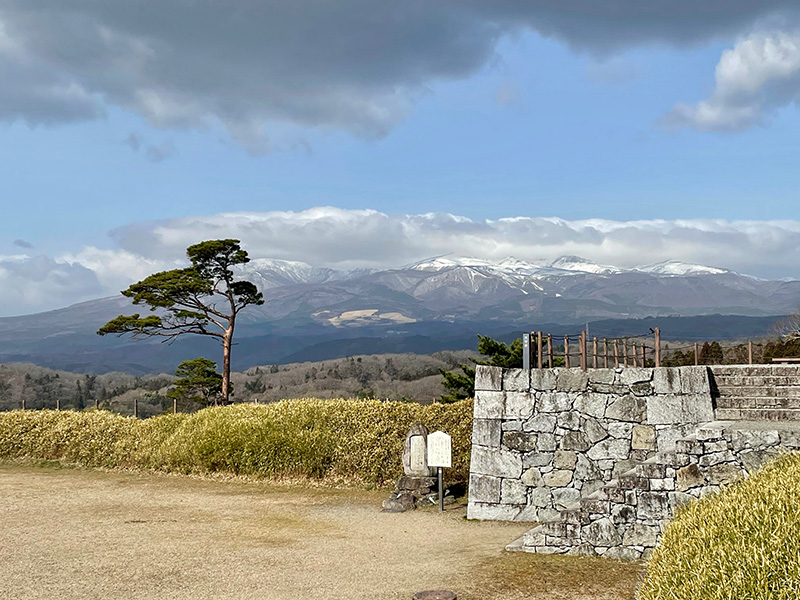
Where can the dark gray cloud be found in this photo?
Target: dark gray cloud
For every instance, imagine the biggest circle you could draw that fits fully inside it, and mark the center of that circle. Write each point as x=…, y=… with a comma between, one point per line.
x=19, y=243
x=153, y=152
x=356, y=65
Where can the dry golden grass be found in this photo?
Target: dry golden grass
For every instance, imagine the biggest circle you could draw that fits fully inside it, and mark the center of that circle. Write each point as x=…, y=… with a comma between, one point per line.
x=70, y=533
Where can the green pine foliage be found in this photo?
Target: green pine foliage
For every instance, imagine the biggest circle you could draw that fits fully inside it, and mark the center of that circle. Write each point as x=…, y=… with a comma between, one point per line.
x=498, y=354
x=198, y=381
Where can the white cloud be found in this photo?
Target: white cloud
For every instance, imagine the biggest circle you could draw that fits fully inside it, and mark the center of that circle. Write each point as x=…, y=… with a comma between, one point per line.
x=346, y=239
x=30, y=284
x=754, y=79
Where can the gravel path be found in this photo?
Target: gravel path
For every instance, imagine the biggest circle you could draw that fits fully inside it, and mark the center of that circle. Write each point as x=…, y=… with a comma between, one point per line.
x=68, y=533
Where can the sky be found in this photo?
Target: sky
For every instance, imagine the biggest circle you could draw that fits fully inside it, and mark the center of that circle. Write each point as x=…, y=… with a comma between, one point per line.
x=375, y=134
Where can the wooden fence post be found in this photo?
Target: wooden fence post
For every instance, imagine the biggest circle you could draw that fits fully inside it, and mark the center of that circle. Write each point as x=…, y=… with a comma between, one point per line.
x=539, y=362
x=550, y=350
x=696, y=354
x=605, y=352
x=750, y=353
x=58, y=403
x=616, y=355
x=594, y=353
x=23, y=402
x=644, y=355
x=582, y=347
x=625, y=353
x=657, y=333
x=175, y=405
x=136, y=407
x=566, y=351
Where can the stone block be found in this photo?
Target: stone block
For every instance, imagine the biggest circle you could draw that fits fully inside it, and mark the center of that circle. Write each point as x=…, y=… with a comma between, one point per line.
x=632, y=375
x=520, y=441
x=591, y=404
x=489, y=405
x=652, y=470
x=566, y=497
x=707, y=433
x=610, y=449
x=540, y=497
x=643, y=437
x=511, y=425
x=621, y=429
x=708, y=460
x=486, y=432
x=623, y=553
x=513, y=491
x=754, y=439
x=492, y=512
x=644, y=388
x=554, y=402
x=697, y=408
x=717, y=446
x=667, y=437
x=488, y=378
x=790, y=439
x=653, y=506
x=572, y=380
x=565, y=459
x=518, y=405
x=694, y=380
x=546, y=442
x=753, y=459
x=529, y=514
x=543, y=380
x=601, y=376
x=724, y=474
x=517, y=380
x=537, y=459
x=689, y=477
x=534, y=537
x=641, y=535
x=542, y=423
x=569, y=420
x=585, y=469
x=678, y=499
x=532, y=477
x=557, y=478
x=667, y=409
x=623, y=513
x=628, y=408
x=575, y=440
x=666, y=381
x=484, y=488
x=496, y=462
x=593, y=430
x=665, y=484
x=601, y=533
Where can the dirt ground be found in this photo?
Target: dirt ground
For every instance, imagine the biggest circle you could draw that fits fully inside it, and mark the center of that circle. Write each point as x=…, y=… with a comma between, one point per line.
x=69, y=533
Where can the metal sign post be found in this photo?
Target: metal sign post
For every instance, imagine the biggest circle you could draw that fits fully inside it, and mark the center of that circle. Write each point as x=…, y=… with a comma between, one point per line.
x=440, y=455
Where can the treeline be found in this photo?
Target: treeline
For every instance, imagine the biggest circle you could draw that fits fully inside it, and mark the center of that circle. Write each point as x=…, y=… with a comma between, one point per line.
x=401, y=377
x=714, y=353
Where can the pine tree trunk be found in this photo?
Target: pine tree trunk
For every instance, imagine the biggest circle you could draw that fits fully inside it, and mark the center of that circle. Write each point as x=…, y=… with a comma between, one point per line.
x=226, y=363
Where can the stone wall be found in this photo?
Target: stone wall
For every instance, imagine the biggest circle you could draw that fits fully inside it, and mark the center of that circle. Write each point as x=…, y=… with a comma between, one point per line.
x=601, y=458
x=544, y=438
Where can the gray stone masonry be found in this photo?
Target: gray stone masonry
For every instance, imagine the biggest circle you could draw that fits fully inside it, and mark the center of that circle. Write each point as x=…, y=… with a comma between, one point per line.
x=601, y=458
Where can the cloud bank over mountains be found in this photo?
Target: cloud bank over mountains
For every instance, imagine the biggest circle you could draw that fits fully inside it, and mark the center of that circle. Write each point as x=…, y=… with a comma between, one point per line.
x=349, y=239
x=352, y=65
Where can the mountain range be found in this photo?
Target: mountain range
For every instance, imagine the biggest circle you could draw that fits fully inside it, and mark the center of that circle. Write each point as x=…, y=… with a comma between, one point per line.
x=313, y=313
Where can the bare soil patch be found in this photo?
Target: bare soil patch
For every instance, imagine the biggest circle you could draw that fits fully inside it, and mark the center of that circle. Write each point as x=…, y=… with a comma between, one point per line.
x=68, y=533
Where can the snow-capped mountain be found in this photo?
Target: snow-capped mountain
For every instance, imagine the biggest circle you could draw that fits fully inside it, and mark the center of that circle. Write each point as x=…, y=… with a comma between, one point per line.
x=432, y=300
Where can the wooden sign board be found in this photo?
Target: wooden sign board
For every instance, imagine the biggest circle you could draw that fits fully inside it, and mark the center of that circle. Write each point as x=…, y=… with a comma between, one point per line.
x=439, y=450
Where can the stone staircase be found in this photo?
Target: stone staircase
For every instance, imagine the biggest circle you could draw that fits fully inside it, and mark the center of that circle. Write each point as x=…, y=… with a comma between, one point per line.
x=625, y=518
x=756, y=392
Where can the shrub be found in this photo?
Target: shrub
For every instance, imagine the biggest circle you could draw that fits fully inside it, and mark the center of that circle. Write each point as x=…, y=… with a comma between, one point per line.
x=741, y=543
x=353, y=439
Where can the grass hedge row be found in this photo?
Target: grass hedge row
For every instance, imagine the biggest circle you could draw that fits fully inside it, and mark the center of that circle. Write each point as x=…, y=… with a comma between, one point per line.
x=360, y=440
x=742, y=543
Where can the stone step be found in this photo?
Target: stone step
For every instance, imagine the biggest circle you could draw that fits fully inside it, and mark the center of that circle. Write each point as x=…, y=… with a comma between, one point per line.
x=757, y=370
x=758, y=402
x=778, y=391
x=757, y=381
x=757, y=414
